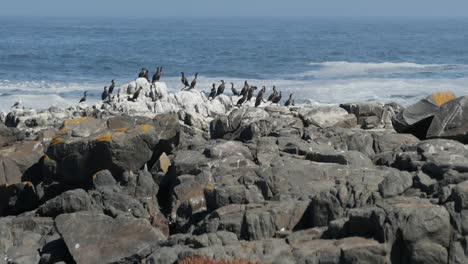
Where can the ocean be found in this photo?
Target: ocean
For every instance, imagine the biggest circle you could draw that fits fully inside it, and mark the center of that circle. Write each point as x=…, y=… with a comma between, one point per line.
x=51, y=61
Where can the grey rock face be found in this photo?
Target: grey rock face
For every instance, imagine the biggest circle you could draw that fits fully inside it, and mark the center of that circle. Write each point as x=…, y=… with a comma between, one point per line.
x=99, y=238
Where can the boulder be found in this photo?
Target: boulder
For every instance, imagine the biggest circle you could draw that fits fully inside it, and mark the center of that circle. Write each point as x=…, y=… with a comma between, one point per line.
x=103, y=239
x=68, y=202
x=85, y=146
x=451, y=121
x=9, y=135
x=417, y=118
x=322, y=116
x=18, y=160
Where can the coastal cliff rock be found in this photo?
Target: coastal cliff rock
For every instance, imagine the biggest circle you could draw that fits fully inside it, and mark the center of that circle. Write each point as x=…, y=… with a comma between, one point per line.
x=187, y=178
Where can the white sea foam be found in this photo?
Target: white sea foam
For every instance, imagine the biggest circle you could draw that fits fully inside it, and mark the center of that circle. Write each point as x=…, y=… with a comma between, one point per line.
x=338, y=69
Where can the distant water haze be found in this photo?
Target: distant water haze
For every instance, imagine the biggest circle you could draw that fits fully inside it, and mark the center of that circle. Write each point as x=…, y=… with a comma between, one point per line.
x=322, y=60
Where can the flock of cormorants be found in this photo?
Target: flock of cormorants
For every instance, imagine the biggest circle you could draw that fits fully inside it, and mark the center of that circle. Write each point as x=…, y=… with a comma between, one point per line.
x=246, y=93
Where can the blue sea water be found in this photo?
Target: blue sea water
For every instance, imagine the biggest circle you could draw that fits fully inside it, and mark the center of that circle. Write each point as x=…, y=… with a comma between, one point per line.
x=321, y=60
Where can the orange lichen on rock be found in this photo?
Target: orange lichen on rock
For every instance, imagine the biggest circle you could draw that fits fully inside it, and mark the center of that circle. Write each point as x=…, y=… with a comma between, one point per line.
x=145, y=128
x=205, y=260
x=123, y=129
x=443, y=97
x=57, y=141
x=105, y=138
x=74, y=121
x=63, y=131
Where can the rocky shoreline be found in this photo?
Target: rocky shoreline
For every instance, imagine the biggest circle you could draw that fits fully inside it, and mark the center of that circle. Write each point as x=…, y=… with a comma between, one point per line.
x=185, y=179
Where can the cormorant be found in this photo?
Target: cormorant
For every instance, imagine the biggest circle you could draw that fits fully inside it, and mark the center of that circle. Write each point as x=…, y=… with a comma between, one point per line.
x=157, y=74
x=242, y=100
x=277, y=98
x=289, y=101
x=234, y=90
x=259, y=98
x=272, y=95
x=83, y=99
x=245, y=89
x=135, y=95
x=194, y=82
x=213, y=92
x=104, y=94
x=184, y=81
x=250, y=92
x=221, y=88
x=111, y=87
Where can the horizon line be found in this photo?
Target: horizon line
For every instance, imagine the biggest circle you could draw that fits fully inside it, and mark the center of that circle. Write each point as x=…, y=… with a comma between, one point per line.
x=237, y=17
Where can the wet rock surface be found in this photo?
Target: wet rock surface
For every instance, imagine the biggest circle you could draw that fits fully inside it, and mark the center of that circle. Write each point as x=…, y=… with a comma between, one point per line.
x=185, y=176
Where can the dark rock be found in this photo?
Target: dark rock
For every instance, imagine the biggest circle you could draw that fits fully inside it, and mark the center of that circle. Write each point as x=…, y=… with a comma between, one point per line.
x=17, y=162
x=451, y=121
x=103, y=179
x=417, y=118
x=68, y=202
x=9, y=135
x=102, y=239
x=350, y=158
x=86, y=146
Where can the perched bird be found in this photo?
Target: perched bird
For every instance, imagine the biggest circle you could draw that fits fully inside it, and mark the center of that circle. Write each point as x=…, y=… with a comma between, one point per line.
x=221, y=88
x=213, y=91
x=111, y=87
x=250, y=92
x=17, y=104
x=135, y=95
x=245, y=89
x=259, y=98
x=83, y=99
x=289, y=101
x=157, y=75
x=118, y=95
x=272, y=95
x=242, y=100
x=276, y=99
x=184, y=81
x=194, y=82
x=104, y=94
x=142, y=73
x=234, y=90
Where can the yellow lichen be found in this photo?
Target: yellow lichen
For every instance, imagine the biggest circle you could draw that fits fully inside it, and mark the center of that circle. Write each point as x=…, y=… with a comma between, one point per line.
x=210, y=187
x=57, y=141
x=63, y=131
x=123, y=129
x=74, y=121
x=145, y=128
x=104, y=138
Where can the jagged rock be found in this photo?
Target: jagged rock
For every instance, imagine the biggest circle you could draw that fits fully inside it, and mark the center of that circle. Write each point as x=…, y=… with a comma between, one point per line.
x=103, y=146
x=450, y=121
x=103, y=239
x=403, y=223
x=17, y=162
x=68, y=202
x=416, y=118
x=23, y=237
